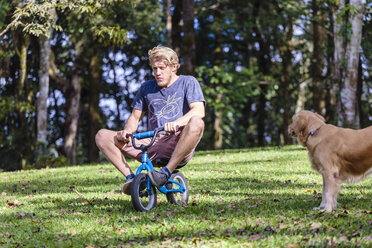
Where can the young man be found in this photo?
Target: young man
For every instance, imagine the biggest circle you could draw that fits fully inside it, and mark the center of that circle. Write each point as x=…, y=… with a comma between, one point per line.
x=175, y=102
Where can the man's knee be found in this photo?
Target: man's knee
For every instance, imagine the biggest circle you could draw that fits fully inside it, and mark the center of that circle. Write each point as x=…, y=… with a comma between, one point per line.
x=100, y=137
x=195, y=126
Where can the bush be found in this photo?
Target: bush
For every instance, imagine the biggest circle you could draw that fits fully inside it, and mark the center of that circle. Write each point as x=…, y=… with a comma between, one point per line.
x=49, y=161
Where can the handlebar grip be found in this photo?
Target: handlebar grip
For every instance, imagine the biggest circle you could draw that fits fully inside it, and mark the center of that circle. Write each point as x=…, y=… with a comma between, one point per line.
x=144, y=135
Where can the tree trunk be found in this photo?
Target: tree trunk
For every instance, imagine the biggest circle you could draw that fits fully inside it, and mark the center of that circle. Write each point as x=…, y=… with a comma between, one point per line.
x=349, y=91
x=22, y=54
x=362, y=116
x=95, y=72
x=261, y=115
x=264, y=64
x=317, y=61
x=188, y=39
x=330, y=98
x=330, y=103
x=176, y=26
x=301, y=99
x=168, y=22
x=218, y=113
x=246, y=139
x=73, y=101
x=286, y=55
x=339, y=55
x=217, y=126
x=23, y=151
x=42, y=107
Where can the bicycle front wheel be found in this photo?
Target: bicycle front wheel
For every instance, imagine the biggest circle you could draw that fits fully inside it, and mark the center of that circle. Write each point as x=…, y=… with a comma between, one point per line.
x=143, y=199
x=178, y=197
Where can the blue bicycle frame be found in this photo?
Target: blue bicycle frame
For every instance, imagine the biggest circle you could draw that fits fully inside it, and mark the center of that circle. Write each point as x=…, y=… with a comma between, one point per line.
x=146, y=162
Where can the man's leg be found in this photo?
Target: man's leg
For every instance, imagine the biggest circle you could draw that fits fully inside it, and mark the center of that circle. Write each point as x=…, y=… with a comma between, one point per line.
x=109, y=145
x=189, y=139
x=111, y=148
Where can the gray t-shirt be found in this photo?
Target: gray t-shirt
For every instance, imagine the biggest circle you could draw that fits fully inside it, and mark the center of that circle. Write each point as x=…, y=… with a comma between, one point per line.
x=167, y=104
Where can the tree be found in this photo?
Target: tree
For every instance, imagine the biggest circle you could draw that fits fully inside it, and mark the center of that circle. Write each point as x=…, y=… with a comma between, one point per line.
x=285, y=50
x=254, y=60
x=42, y=108
x=347, y=58
x=349, y=91
x=40, y=24
x=317, y=64
x=16, y=101
x=168, y=22
x=188, y=38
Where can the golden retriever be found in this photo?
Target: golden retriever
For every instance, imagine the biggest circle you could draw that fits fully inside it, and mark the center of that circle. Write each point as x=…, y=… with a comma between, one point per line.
x=338, y=154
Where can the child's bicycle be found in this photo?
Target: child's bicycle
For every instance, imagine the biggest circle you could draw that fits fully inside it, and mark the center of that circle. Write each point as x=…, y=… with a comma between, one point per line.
x=142, y=191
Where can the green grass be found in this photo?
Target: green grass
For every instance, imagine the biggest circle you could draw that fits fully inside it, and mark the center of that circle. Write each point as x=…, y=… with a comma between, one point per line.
x=238, y=198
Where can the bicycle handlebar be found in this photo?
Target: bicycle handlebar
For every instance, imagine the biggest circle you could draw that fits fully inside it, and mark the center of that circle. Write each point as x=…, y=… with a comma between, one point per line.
x=144, y=135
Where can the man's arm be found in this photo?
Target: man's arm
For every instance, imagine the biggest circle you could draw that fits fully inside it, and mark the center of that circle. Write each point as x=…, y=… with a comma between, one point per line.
x=131, y=125
x=196, y=109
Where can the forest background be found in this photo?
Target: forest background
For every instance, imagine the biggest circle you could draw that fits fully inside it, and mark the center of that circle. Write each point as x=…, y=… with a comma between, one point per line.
x=69, y=68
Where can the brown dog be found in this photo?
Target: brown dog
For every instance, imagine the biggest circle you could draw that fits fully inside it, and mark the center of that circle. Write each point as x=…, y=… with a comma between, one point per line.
x=338, y=154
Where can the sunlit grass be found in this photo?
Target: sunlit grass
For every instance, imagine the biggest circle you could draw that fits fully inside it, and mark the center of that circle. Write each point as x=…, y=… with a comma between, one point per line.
x=260, y=197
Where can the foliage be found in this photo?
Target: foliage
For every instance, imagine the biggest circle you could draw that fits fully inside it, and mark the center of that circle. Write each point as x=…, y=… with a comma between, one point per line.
x=261, y=197
x=111, y=35
x=8, y=105
x=235, y=87
x=12, y=154
x=88, y=21
x=4, y=7
x=35, y=18
x=142, y=20
x=238, y=62
x=49, y=161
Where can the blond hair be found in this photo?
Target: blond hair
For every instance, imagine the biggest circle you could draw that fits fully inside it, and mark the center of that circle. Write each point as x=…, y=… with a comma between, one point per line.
x=163, y=53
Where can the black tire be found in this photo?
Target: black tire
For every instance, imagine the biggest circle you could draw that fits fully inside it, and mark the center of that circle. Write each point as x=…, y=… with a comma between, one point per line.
x=142, y=199
x=177, y=197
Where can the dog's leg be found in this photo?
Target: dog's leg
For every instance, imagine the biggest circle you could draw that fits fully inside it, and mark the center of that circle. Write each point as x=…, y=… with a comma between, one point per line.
x=332, y=187
x=323, y=203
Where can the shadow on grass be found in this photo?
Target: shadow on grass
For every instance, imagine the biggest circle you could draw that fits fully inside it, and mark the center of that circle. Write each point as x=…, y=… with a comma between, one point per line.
x=242, y=190
x=291, y=148
x=247, y=213
x=241, y=207
x=236, y=206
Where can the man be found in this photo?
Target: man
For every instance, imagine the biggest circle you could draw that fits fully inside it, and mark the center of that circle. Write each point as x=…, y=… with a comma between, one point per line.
x=173, y=101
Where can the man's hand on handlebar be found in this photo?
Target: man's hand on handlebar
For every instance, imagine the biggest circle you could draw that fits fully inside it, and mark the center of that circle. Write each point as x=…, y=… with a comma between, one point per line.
x=171, y=127
x=123, y=136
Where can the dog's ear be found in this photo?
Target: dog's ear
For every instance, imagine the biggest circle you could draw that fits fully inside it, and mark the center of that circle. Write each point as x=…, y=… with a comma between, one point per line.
x=300, y=128
x=300, y=124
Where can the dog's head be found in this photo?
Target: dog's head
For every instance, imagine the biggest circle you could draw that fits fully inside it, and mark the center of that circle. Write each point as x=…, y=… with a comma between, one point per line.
x=303, y=123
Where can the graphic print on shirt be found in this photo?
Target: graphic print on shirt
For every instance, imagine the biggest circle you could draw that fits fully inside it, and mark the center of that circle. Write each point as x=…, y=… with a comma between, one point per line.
x=167, y=109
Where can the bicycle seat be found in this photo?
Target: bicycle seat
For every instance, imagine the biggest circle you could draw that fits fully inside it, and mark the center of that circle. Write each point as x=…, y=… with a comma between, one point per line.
x=161, y=162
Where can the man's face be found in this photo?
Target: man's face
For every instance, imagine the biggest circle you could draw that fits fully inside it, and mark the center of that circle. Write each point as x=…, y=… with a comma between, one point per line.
x=163, y=73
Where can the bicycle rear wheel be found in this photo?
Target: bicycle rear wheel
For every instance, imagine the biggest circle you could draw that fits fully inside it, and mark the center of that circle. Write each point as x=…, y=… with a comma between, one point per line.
x=142, y=198
x=178, y=197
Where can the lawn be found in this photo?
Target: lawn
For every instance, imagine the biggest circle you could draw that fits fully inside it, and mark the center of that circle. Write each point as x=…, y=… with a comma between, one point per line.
x=260, y=197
